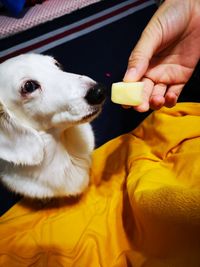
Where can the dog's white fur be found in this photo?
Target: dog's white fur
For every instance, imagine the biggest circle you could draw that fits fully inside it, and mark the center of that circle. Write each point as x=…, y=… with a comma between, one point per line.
x=45, y=137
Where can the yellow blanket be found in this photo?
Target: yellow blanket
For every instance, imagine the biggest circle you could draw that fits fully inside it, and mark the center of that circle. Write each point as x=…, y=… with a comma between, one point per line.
x=142, y=208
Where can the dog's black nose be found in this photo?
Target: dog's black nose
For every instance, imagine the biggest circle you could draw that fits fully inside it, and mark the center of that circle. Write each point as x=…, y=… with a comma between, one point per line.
x=96, y=94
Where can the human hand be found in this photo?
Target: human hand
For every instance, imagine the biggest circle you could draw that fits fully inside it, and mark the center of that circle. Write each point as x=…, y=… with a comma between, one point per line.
x=167, y=53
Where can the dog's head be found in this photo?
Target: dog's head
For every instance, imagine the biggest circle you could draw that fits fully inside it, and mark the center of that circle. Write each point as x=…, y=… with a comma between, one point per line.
x=36, y=95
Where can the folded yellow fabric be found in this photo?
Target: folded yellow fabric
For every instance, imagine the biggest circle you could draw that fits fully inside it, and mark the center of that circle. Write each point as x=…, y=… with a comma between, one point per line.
x=142, y=208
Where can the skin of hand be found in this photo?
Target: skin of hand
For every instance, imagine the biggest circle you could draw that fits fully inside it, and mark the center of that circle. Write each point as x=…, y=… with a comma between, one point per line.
x=167, y=53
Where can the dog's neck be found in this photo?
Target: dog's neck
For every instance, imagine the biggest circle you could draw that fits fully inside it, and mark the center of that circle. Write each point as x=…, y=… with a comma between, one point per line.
x=65, y=167
x=68, y=157
x=76, y=142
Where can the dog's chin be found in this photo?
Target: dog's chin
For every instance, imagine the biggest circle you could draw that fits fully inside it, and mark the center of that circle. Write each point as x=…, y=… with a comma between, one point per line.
x=91, y=116
x=66, y=120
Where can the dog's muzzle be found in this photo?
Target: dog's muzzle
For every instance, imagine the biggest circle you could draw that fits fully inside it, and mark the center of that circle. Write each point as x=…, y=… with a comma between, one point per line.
x=96, y=95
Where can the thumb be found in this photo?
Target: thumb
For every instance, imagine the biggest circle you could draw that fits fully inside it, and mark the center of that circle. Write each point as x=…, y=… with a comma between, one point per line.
x=142, y=53
x=137, y=67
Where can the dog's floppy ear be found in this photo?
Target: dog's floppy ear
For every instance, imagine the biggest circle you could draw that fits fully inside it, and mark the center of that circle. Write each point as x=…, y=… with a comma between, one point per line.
x=19, y=144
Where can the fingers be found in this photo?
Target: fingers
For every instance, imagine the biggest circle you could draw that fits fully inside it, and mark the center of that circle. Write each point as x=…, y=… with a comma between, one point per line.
x=157, y=99
x=153, y=96
x=157, y=96
x=172, y=95
x=148, y=89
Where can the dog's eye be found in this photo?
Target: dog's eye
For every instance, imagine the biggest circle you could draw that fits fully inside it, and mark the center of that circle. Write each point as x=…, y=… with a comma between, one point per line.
x=58, y=65
x=29, y=87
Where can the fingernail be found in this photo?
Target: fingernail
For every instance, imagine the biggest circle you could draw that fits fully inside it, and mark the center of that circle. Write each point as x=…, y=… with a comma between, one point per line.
x=130, y=75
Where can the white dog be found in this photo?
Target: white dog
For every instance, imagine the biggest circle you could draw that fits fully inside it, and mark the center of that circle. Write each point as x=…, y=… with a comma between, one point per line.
x=45, y=136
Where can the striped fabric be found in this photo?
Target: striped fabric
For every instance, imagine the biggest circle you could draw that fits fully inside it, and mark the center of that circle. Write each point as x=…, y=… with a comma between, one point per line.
x=79, y=28
x=40, y=13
